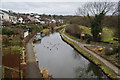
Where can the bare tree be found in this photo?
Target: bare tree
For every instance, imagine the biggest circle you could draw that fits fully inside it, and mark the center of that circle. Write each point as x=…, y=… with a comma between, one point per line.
x=93, y=8
x=96, y=12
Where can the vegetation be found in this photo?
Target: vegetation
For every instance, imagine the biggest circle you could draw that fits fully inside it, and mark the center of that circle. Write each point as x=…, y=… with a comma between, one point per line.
x=86, y=30
x=106, y=36
x=74, y=30
x=92, y=58
x=60, y=27
x=11, y=42
x=110, y=53
x=7, y=31
x=98, y=10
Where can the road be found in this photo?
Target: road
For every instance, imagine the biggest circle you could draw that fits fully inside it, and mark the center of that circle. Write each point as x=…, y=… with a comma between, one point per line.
x=107, y=63
x=32, y=69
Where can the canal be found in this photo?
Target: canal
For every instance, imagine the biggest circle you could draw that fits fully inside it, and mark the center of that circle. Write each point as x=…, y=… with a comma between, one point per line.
x=62, y=61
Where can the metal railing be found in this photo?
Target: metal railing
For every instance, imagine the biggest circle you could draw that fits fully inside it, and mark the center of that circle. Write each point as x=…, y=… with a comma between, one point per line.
x=12, y=69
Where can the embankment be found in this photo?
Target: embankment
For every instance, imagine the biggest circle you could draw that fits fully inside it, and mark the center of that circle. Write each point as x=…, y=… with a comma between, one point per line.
x=109, y=72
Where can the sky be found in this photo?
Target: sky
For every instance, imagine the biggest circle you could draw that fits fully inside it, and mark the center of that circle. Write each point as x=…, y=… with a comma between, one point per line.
x=57, y=7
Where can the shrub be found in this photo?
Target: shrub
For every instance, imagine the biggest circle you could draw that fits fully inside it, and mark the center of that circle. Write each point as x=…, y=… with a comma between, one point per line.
x=112, y=50
x=15, y=49
x=109, y=51
x=5, y=39
x=74, y=30
x=7, y=31
x=7, y=23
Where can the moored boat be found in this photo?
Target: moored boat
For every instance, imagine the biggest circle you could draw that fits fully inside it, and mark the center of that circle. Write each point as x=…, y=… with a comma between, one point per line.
x=37, y=38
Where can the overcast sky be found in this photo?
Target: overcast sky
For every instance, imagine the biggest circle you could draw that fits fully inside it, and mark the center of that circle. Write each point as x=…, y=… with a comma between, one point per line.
x=58, y=7
x=56, y=0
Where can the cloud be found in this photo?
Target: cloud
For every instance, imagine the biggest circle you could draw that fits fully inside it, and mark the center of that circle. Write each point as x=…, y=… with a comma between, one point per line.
x=59, y=0
x=60, y=8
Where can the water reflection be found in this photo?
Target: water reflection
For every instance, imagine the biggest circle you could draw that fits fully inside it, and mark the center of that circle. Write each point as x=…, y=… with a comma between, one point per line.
x=76, y=55
x=91, y=71
x=62, y=61
x=95, y=70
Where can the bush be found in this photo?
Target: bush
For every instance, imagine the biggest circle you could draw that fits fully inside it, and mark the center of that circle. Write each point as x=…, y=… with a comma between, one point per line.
x=7, y=31
x=5, y=39
x=7, y=23
x=15, y=49
x=112, y=50
x=109, y=51
x=74, y=30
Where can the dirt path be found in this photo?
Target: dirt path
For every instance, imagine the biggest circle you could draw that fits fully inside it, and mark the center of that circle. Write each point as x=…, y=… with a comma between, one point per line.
x=107, y=63
x=32, y=70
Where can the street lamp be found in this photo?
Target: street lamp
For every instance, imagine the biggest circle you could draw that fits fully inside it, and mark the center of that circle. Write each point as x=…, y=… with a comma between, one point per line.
x=100, y=33
x=100, y=36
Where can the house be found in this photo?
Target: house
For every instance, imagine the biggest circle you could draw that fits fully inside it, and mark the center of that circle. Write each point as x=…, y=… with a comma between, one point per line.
x=4, y=15
x=7, y=16
x=26, y=33
x=61, y=21
x=37, y=16
x=42, y=22
x=1, y=18
x=20, y=20
x=53, y=21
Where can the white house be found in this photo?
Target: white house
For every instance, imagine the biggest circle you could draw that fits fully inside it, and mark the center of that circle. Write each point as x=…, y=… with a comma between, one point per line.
x=37, y=16
x=4, y=15
x=26, y=33
x=20, y=20
x=42, y=22
x=7, y=16
x=53, y=21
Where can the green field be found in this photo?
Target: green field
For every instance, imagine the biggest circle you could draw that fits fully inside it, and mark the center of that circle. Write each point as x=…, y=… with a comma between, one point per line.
x=107, y=33
x=86, y=30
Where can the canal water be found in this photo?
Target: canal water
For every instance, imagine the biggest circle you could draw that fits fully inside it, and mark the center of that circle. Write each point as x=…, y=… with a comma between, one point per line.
x=62, y=61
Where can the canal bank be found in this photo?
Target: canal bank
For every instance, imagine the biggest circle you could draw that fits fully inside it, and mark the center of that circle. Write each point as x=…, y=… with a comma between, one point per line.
x=32, y=69
x=111, y=73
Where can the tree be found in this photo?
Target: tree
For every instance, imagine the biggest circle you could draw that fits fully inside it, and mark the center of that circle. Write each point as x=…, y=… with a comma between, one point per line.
x=95, y=12
x=7, y=31
x=74, y=30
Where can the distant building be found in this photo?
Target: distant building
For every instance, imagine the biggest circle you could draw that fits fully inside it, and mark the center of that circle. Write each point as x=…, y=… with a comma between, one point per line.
x=7, y=16
x=4, y=15
x=20, y=20
x=53, y=21
x=42, y=22
x=26, y=33
x=37, y=16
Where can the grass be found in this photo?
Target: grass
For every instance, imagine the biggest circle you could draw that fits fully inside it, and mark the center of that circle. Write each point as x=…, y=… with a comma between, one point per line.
x=60, y=27
x=75, y=38
x=92, y=58
x=86, y=30
x=114, y=58
x=107, y=33
x=55, y=28
x=11, y=50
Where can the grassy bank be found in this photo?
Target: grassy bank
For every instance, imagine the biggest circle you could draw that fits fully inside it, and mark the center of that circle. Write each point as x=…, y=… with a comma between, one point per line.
x=113, y=58
x=60, y=27
x=106, y=36
x=93, y=59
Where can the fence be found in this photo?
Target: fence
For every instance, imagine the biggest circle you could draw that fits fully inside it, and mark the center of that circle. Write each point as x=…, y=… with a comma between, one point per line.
x=8, y=72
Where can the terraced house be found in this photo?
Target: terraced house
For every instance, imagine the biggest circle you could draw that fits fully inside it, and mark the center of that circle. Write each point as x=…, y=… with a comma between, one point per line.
x=7, y=17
